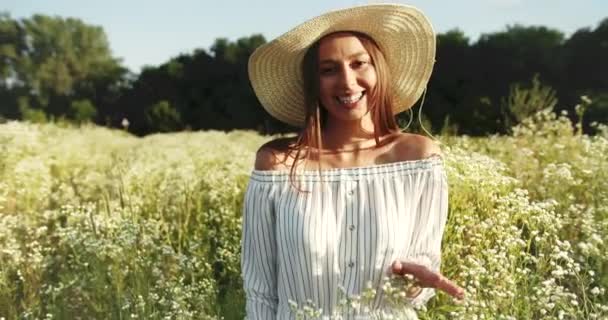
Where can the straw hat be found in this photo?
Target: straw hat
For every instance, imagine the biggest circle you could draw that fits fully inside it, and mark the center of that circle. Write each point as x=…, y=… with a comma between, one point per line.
x=402, y=32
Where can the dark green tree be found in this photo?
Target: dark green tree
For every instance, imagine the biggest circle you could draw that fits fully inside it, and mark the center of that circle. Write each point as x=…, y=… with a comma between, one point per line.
x=54, y=60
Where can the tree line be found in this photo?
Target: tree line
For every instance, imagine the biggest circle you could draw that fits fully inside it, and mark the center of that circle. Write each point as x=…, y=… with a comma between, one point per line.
x=61, y=69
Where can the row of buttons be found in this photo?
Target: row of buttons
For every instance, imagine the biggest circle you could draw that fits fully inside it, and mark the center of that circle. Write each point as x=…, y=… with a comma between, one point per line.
x=352, y=263
x=351, y=192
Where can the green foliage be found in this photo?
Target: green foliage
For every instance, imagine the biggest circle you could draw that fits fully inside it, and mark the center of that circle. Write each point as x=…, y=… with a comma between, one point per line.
x=60, y=53
x=32, y=115
x=239, y=51
x=530, y=38
x=448, y=128
x=597, y=110
x=10, y=44
x=83, y=111
x=163, y=117
x=175, y=69
x=455, y=38
x=566, y=171
x=207, y=91
x=55, y=61
x=522, y=102
x=98, y=224
x=29, y=114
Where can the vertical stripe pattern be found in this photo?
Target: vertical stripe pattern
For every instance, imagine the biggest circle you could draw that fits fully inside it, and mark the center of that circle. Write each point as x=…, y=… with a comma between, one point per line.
x=344, y=233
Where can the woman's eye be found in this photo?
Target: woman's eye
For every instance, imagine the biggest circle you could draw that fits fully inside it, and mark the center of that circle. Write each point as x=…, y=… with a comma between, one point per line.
x=359, y=63
x=327, y=70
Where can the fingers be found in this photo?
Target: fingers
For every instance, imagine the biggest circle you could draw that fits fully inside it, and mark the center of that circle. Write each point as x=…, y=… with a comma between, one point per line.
x=449, y=287
x=403, y=268
x=428, y=278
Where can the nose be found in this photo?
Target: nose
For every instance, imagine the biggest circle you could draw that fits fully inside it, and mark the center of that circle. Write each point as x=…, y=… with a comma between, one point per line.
x=348, y=78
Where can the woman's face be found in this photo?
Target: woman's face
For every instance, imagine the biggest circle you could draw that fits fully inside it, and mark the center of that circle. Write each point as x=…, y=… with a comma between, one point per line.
x=346, y=76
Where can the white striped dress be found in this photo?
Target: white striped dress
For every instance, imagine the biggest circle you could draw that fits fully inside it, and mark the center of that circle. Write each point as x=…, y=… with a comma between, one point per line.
x=346, y=232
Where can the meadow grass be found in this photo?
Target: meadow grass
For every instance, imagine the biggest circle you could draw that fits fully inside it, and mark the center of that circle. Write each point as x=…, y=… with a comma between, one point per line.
x=98, y=224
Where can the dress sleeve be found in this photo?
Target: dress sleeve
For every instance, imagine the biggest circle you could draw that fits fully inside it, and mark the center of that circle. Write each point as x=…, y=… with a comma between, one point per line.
x=258, y=247
x=429, y=225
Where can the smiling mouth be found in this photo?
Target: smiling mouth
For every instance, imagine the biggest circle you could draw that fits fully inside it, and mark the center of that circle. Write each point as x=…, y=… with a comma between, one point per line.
x=347, y=100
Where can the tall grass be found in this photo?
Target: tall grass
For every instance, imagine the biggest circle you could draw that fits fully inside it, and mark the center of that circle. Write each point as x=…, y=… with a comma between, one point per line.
x=97, y=224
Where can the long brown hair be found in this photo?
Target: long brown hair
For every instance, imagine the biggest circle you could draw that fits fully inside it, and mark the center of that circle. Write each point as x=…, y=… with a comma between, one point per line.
x=381, y=103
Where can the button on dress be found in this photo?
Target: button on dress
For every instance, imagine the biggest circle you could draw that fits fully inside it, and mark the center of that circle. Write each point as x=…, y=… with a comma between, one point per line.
x=344, y=231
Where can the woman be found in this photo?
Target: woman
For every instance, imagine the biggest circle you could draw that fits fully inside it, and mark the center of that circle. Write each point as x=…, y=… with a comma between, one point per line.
x=352, y=199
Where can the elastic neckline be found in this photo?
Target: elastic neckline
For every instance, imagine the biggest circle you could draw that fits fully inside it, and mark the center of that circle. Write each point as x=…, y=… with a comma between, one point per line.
x=351, y=173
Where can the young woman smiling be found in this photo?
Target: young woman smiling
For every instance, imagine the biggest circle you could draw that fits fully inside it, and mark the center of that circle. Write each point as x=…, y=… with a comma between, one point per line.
x=351, y=199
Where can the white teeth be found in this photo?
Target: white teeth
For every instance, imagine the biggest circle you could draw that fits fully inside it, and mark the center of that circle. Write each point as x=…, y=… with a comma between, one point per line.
x=350, y=99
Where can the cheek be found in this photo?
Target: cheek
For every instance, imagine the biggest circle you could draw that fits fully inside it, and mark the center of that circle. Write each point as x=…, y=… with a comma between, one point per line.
x=371, y=78
x=325, y=90
x=325, y=85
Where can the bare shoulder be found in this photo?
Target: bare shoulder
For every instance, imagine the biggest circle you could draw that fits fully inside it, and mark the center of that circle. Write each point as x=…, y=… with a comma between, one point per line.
x=409, y=146
x=273, y=155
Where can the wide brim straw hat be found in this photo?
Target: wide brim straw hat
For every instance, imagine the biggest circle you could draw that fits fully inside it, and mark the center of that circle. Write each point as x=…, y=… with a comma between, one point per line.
x=403, y=33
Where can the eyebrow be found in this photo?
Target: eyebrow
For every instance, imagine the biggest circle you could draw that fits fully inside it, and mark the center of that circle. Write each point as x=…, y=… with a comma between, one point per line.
x=352, y=56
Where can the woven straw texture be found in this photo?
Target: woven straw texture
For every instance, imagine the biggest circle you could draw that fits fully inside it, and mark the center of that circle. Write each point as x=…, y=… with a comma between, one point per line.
x=402, y=32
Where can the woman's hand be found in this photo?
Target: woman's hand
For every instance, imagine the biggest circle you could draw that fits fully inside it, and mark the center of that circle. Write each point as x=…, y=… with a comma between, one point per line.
x=428, y=278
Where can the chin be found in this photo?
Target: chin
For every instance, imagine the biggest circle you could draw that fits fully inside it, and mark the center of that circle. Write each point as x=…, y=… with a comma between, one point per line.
x=352, y=115
x=341, y=113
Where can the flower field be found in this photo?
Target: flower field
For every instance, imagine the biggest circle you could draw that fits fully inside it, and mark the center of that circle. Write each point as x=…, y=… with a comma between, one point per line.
x=98, y=224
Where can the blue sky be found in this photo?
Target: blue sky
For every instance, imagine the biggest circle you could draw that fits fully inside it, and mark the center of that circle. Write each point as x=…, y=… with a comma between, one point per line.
x=151, y=32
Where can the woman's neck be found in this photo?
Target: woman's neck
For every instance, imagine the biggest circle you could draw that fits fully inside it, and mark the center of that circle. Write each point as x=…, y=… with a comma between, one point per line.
x=348, y=135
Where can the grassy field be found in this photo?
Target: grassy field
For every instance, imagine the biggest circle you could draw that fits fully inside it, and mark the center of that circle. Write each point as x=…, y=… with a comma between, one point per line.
x=98, y=224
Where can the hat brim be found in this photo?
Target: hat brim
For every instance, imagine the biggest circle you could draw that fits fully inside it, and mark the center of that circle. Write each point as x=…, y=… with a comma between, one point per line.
x=403, y=33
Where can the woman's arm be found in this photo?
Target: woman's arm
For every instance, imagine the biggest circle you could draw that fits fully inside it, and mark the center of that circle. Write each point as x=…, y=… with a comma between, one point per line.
x=424, y=256
x=258, y=259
